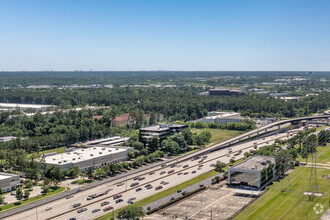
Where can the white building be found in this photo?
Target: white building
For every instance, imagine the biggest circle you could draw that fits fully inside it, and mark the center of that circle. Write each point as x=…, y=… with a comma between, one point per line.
x=24, y=107
x=223, y=118
x=8, y=181
x=85, y=158
x=256, y=171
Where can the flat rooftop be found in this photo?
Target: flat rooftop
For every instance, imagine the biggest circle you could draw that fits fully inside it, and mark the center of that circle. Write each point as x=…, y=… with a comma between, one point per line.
x=162, y=127
x=6, y=175
x=82, y=154
x=18, y=105
x=258, y=162
x=225, y=115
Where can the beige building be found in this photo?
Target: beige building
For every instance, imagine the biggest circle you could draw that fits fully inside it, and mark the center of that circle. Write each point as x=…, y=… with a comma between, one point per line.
x=8, y=181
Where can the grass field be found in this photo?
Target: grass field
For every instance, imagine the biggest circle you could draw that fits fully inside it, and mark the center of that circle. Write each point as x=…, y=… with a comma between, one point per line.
x=57, y=150
x=322, y=154
x=275, y=204
x=218, y=135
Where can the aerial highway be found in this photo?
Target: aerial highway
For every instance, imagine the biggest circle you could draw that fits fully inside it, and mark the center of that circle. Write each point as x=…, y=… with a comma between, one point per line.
x=160, y=178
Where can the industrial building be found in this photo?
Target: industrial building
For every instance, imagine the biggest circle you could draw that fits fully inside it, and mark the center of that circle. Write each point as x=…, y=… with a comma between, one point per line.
x=7, y=138
x=23, y=107
x=8, y=182
x=85, y=158
x=223, y=92
x=162, y=131
x=254, y=172
x=222, y=118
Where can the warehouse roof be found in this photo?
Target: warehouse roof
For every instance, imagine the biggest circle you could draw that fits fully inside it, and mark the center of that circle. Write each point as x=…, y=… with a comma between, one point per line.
x=82, y=154
x=6, y=175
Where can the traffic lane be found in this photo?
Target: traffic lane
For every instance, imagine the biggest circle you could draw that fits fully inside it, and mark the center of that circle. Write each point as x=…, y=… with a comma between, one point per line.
x=214, y=154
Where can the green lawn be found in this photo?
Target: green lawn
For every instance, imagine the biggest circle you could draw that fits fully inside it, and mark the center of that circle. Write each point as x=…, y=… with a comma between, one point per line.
x=275, y=204
x=218, y=135
x=322, y=154
x=32, y=199
x=57, y=150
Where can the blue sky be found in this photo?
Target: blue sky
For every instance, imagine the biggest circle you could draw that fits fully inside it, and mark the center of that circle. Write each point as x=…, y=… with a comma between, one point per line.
x=165, y=35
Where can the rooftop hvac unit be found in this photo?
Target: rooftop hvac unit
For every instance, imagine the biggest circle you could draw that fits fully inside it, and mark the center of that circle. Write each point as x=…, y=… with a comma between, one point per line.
x=116, y=148
x=54, y=159
x=109, y=150
x=91, y=155
x=64, y=161
x=73, y=158
x=68, y=153
x=59, y=162
x=82, y=150
x=94, y=148
x=100, y=152
x=103, y=148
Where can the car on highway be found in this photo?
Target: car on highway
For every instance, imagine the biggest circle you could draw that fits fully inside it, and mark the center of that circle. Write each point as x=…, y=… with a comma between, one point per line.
x=117, y=196
x=199, y=168
x=105, y=203
x=163, y=172
x=119, y=200
x=132, y=199
x=108, y=190
x=82, y=210
x=120, y=184
x=163, y=165
x=204, y=157
x=185, y=193
x=70, y=196
x=159, y=187
x=171, y=171
x=136, y=178
x=162, y=182
x=173, y=165
x=194, y=171
x=96, y=210
x=166, y=183
x=78, y=190
x=76, y=205
x=141, y=178
x=201, y=185
x=138, y=189
x=72, y=219
x=178, y=191
x=212, y=165
x=201, y=165
x=151, y=173
x=200, y=161
x=185, y=173
x=180, y=173
x=134, y=184
x=185, y=166
x=107, y=208
x=48, y=208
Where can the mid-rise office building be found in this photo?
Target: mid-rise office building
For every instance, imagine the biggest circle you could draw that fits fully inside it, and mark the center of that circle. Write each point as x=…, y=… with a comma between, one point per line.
x=162, y=131
x=223, y=118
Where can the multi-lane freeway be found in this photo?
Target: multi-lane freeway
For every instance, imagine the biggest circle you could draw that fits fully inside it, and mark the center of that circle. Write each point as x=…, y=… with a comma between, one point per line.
x=184, y=169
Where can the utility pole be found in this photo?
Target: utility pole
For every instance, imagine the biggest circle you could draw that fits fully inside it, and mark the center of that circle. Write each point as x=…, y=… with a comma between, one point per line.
x=211, y=214
x=201, y=201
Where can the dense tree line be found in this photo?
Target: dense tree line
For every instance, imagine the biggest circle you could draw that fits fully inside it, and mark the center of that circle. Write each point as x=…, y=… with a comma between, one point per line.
x=182, y=103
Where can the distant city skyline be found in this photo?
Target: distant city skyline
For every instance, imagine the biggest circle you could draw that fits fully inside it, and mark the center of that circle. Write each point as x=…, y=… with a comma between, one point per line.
x=172, y=35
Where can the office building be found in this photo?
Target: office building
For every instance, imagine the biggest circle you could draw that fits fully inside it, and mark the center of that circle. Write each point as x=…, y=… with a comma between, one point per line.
x=223, y=118
x=223, y=92
x=256, y=171
x=8, y=182
x=162, y=131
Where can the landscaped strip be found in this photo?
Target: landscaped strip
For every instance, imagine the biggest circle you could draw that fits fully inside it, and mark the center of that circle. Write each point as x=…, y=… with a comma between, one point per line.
x=32, y=199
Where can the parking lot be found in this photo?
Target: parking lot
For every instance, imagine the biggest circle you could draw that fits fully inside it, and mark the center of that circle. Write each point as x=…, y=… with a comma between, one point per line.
x=221, y=202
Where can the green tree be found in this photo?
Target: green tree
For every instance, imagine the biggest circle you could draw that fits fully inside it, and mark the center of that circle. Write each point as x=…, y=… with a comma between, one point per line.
x=26, y=194
x=100, y=172
x=90, y=172
x=219, y=166
x=74, y=171
x=231, y=161
x=131, y=212
x=19, y=194
x=153, y=144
